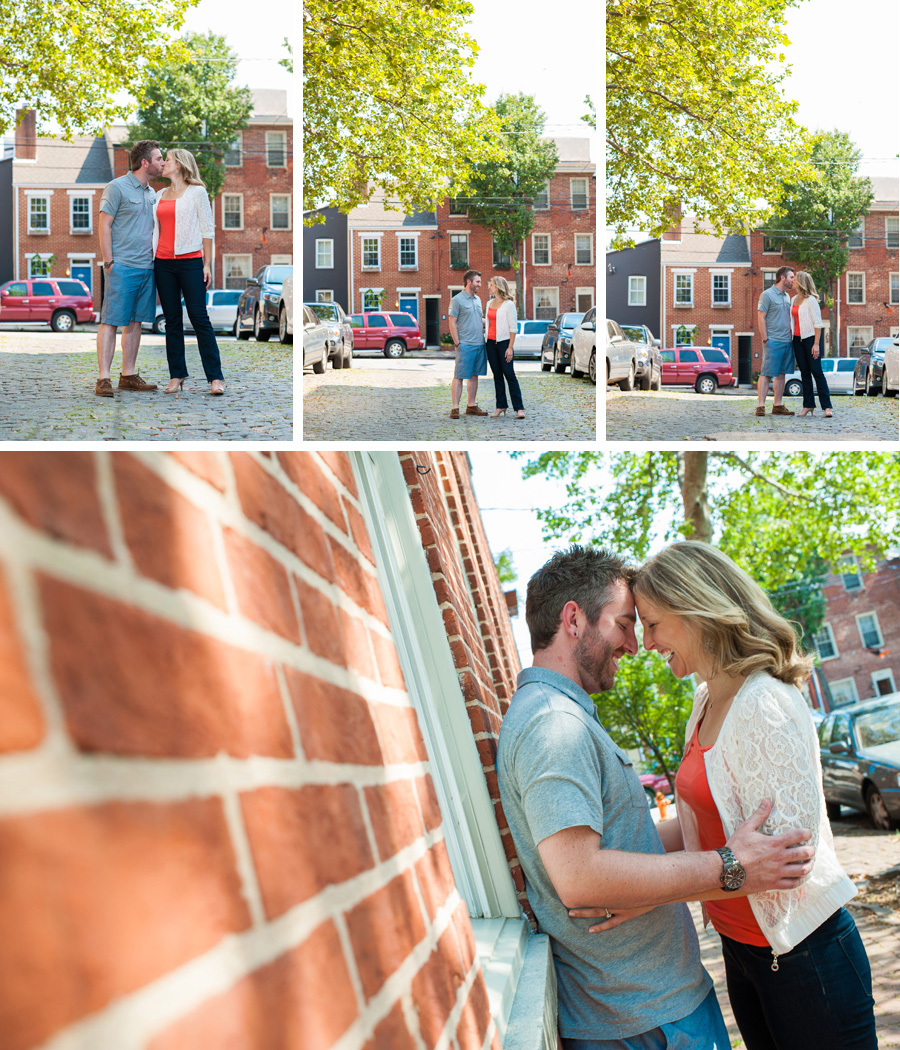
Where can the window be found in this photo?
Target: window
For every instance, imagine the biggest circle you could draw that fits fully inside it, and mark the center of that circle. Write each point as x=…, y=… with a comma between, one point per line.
x=281, y=260
x=324, y=295
x=276, y=142
x=237, y=269
x=883, y=682
x=843, y=692
x=280, y=211
x=80, y=214
x=324, y=253
x=690, y=357
x=857, y=337
x=721, y=289
x=856, y=287
x=38, y=267
x=371, y=253
x=232, y=211
x=771, y=245
x=372, y=301
x=684, y=289
x=457, y=206
x=501, y=260
x=892, y=231
x=234, y=155
x=540, y=249
x=895, y=289
x=768, y=279
x=858, y=237
x=546, y=303
x=459, y=251
x=684, y=336
x=542, y=200
x=407, y=248
x=848, y=567
x=637, y=291
x=17, y=290
x=824, y=642
x=38, y=214
x=579, y=194
x=584, y=249
x=869, y=630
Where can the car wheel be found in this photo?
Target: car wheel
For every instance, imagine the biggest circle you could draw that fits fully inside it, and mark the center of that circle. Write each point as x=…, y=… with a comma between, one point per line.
x=886, y=392
x=833, y=809
x=63, y=321
x=159, y=325
x=260, y=334
x=546, y=365
x=283, y=334
x=319, y=366
x=656, y=384
x=560, y=367
x=858, y=390
x=348, y=355
x=394, y=348
x=645, y=380
x=239, y=332
x=878, y=810
x=793, y=388
x=871, y=389
x=628, y=384
x=592, y=368
x=706, y=385
x=337, y=361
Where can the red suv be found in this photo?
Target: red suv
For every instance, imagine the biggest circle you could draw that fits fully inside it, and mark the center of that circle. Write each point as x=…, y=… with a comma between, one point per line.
x=705, y=368
x=392, y=334
x=57, y=301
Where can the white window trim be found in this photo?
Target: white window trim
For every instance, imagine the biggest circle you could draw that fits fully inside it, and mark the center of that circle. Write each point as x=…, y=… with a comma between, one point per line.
x=643, y=289
x=887, y=219
x=822, y=659
x=844, y=681
x=846, y=560
x=545, y=207
x=414, y=237
x=590, y=237
x=675, y=275
x=549, y=261
x=861, y=230
x=283, y=136
x=232, y=228
x=40, y=195
x=324, y=291
x=769, y=251
x=239, y=145
x=867, y=330
x=862, y=616
x=884, y=675
x=77, y=195
x=458, y=233
x=235, y=255
x=41, y=257
x=584, y=290
x=855, y=273
x=713, y=274
x=362, y=251
x=894, y=283
x=362, y=299
x=272, y=226
x=535, y=295
x=325, y=240
x=587, y=193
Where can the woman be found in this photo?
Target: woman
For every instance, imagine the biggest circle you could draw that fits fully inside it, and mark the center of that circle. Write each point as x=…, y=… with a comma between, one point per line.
x=794, y=961
x=806, y=327
x=182, y=249
x=500, y=331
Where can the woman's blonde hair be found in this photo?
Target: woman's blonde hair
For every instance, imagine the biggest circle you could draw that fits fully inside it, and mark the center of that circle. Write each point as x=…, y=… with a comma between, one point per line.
x=502, y=286
x=805, y=284
x=187, y=166
x=738, y=627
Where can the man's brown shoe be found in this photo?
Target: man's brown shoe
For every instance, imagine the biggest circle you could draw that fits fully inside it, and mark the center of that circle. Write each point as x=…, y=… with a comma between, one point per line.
x=134, y=382
x=454, y=413
x=780, y=410
x=760, y=410
x=474, y=410
x=103, y=388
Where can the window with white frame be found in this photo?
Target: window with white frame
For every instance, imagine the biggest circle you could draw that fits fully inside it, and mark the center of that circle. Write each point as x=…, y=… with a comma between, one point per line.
x=848, y=567
x=324, y=295
x=371, y=298
x=542, y=200
x=584, y=249
x=578, y=190
x=637, y=291
x=869, y=630
x=856, y=288
x=771, y=245
x=371, y=253
x=502, y=260
x=684, y=289
x=768, y=279
x=324, y=253
x=858, y=237
x=721, y=289
x=280, y=211
x=459, y=250
x=457, y=206
x=234, y=155
x=407, y=248
x=281, y=259
x=39, y=214
x=883, y=682
x=895, y=289
x=232, y=211
x=80, y=214
x=540, y=249
x=892, y=231
x=824, y=642
x=843, y=692
x=276, y=149
x=39, y=266
x=237, y=268
x=858, y=336
x=546, y=303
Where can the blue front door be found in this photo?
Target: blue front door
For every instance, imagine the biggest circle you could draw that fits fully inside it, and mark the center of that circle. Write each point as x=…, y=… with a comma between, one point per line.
x=723, y=342
x=410, y=306
x=82, y=272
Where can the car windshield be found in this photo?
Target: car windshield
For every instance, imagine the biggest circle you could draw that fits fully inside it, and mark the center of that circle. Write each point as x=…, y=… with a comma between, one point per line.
x=880, y=345
x=635, y=333
x=327, y=311
x=881, y=726
x=570, y=320
x=277, y=274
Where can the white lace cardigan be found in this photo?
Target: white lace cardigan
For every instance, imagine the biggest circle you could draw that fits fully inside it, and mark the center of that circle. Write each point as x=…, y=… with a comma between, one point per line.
x=193, y=220
x=768, y=748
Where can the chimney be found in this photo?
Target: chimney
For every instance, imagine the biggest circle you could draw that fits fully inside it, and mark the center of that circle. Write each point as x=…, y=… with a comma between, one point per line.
x=674, y=231
x=26, y=136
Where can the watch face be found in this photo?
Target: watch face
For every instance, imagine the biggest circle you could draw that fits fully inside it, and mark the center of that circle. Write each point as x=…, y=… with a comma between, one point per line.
x=733, y=877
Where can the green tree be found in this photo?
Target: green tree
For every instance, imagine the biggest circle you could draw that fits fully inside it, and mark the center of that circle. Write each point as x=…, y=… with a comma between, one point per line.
x=388, y=101
x=194, y=105
x=72, y=60
x=695, y=113
x=506, y=569
x=816, y=216
x=801, y=599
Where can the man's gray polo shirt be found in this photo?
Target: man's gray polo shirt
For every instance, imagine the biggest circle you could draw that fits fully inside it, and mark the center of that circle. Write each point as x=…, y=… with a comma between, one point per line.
x=558, y=768
x=776, y=306
x=130, y=203
x=469, y=318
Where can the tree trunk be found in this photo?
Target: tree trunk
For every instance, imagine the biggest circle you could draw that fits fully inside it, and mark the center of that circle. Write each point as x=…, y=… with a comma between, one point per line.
x=694, y=495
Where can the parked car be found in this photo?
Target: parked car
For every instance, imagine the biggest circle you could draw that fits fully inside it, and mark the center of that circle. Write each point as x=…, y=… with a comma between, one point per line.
x=891, y=383
x=556, y=349
x=860, y=748
x=649, y=361
x=286, y=313
x=221, y=305
x=530, y=338
x=340, y=332
x=838, y=372
x=705, y=368
x=257, y=309
x=390, y=333
x=315, y=341
x=869, y=368
x=621, y=357
x=60, y=302
x=584, y=347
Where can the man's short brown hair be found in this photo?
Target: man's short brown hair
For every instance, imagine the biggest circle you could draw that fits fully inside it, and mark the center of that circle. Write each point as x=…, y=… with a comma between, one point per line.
x=142, y=150
x=470, y=275
x=781, y=271
x=584, y=575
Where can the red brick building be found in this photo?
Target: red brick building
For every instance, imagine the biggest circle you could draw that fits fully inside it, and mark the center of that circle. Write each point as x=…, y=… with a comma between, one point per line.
x=248, y=721
x=416, y=262
x=859, y=643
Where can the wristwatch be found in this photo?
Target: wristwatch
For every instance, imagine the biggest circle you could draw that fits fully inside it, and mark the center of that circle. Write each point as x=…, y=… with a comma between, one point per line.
x=107, y=265
x=733, y=875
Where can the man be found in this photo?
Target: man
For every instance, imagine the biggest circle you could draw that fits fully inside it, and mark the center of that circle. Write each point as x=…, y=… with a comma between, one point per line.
x=126, y=244
x=584, y=835
x=467, y=332
x=774, y=313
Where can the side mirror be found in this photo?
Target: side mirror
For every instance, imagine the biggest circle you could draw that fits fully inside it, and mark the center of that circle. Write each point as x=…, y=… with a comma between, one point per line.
x=839, y=749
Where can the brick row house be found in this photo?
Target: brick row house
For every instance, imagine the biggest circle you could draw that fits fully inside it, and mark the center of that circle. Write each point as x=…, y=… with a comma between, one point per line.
x=415, y=262
x=57, y=186
x=299, y=788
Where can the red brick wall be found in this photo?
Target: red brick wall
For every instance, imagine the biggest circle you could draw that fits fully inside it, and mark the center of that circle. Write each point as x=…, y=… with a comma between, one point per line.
x=740, y=315
x=58, y=241
x=390, y=277
x=217, y=821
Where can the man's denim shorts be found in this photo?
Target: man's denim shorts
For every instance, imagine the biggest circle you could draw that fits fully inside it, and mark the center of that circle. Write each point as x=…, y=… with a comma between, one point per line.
x=471, y=360
x=778, y=359
x=129, y=295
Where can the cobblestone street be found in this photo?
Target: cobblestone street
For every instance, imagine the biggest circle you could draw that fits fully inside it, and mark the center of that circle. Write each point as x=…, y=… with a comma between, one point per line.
x=670, y=415
x=47, y=392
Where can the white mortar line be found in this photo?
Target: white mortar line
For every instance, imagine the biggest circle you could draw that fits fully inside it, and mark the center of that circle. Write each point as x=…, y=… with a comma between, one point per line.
x=289, y=713
x=109, y=506
x=243, y=853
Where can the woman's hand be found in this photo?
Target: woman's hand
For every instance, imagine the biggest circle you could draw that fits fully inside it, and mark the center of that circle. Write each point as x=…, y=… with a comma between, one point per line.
x=509, y=353
x=207, y=274
x=815, y=351
x=616, y=918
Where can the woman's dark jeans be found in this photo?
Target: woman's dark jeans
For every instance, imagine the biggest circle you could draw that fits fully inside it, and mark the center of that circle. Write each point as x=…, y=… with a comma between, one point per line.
x=503, y=369
x=821, y=994
x=811, y=368
x=174, y=278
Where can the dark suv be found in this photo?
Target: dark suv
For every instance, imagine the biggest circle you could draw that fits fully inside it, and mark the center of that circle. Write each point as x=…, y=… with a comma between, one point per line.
x=391, y=333
x=257, y=309
x=57, y=301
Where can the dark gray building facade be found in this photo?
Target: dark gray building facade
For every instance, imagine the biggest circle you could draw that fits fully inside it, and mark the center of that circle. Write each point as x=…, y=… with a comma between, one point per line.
x=633, y=285
x=7, y=241
x=325, y=269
